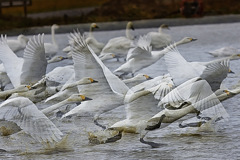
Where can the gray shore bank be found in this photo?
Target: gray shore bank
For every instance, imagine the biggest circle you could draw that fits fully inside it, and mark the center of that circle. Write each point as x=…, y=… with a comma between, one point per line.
x=104, y=26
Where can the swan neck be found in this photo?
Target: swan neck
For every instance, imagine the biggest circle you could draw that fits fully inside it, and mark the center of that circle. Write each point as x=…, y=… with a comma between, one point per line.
x=90, y=32
x=160, y=29
x=53, y=36
x=54, y=107
x=128, y=34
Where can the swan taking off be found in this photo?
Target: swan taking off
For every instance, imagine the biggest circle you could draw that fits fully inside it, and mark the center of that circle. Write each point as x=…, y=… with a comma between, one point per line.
x=26, y=115
x=119, y=46
x=51, y=49
x=160, y=39
x=30, y=68
x=109, y=86
x=142, y=56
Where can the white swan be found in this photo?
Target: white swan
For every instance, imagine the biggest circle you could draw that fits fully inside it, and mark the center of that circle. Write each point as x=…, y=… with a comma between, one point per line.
x=224, y=51
x=74, y=98
x=30, y=68
x=26, y=115
x=119, y=45
x=87, y=64
x=69, y=88
x=193, y=96
x=214, y=71
x=52, y=49
x=142, y=56
x=140, y=105
x=19, y=89
x=18, y=44
x=160, y=39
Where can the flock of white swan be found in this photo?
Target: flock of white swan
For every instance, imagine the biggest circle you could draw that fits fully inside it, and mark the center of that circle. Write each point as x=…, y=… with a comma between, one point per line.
x=189, y=88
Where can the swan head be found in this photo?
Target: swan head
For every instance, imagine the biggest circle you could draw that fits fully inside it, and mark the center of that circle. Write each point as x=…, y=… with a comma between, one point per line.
x=164, y=26
x=78, y=98
x=23, y=38
x=107, y=56
x=187, y=40
x=94, y=25
x=56, y=59
x=130, y=25
x=87, y=80
x=142, y=77
x=55, y=26
x=23, y=88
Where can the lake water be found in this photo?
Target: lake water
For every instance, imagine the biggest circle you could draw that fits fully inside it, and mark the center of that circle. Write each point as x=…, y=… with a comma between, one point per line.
x=180, y=144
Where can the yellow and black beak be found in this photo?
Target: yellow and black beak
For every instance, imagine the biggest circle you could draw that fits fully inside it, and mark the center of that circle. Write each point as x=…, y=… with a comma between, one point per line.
x=147, y=77
x=230, y=71
x=193, y=39
x=29, y=87
x=93, y=81
x=227, y=92
x=85, y=98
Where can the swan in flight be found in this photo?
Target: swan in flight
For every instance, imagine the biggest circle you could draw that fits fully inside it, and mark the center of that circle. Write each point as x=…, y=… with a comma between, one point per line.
x=52, y=49
x=140, y=105
x=193, y=96
x=142, y=56
x=160, y=39
x=119, y=45
x=18, y=44
x=224, y=51
x=109, y=86
x=213, y=71
x=74, y=98
x=69, y=88
x=30, y=68
x=25, y=114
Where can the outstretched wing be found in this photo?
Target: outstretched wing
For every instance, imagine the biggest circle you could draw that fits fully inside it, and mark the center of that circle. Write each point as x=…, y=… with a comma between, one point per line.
x=143, y=48
x=26, y=115
x=11, y=62
x=35, y=63
x=215, y=73
x=85, y=59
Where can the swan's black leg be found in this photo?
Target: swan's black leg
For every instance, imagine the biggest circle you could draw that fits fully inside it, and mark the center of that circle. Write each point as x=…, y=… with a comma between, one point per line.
x=102, y=126
x=153, y=144
x=157, y=125
x=115, y=138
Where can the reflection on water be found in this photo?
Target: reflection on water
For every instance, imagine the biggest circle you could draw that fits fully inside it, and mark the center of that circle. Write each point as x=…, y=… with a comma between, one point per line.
x=208, y=143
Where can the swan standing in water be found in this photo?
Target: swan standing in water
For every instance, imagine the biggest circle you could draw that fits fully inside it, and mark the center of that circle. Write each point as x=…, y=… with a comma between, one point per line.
x=19, y=44
x=142, y=56
x=25, y=114
x=109, y=86
x=160, y=39
x=119, y=46
x=52, y=49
